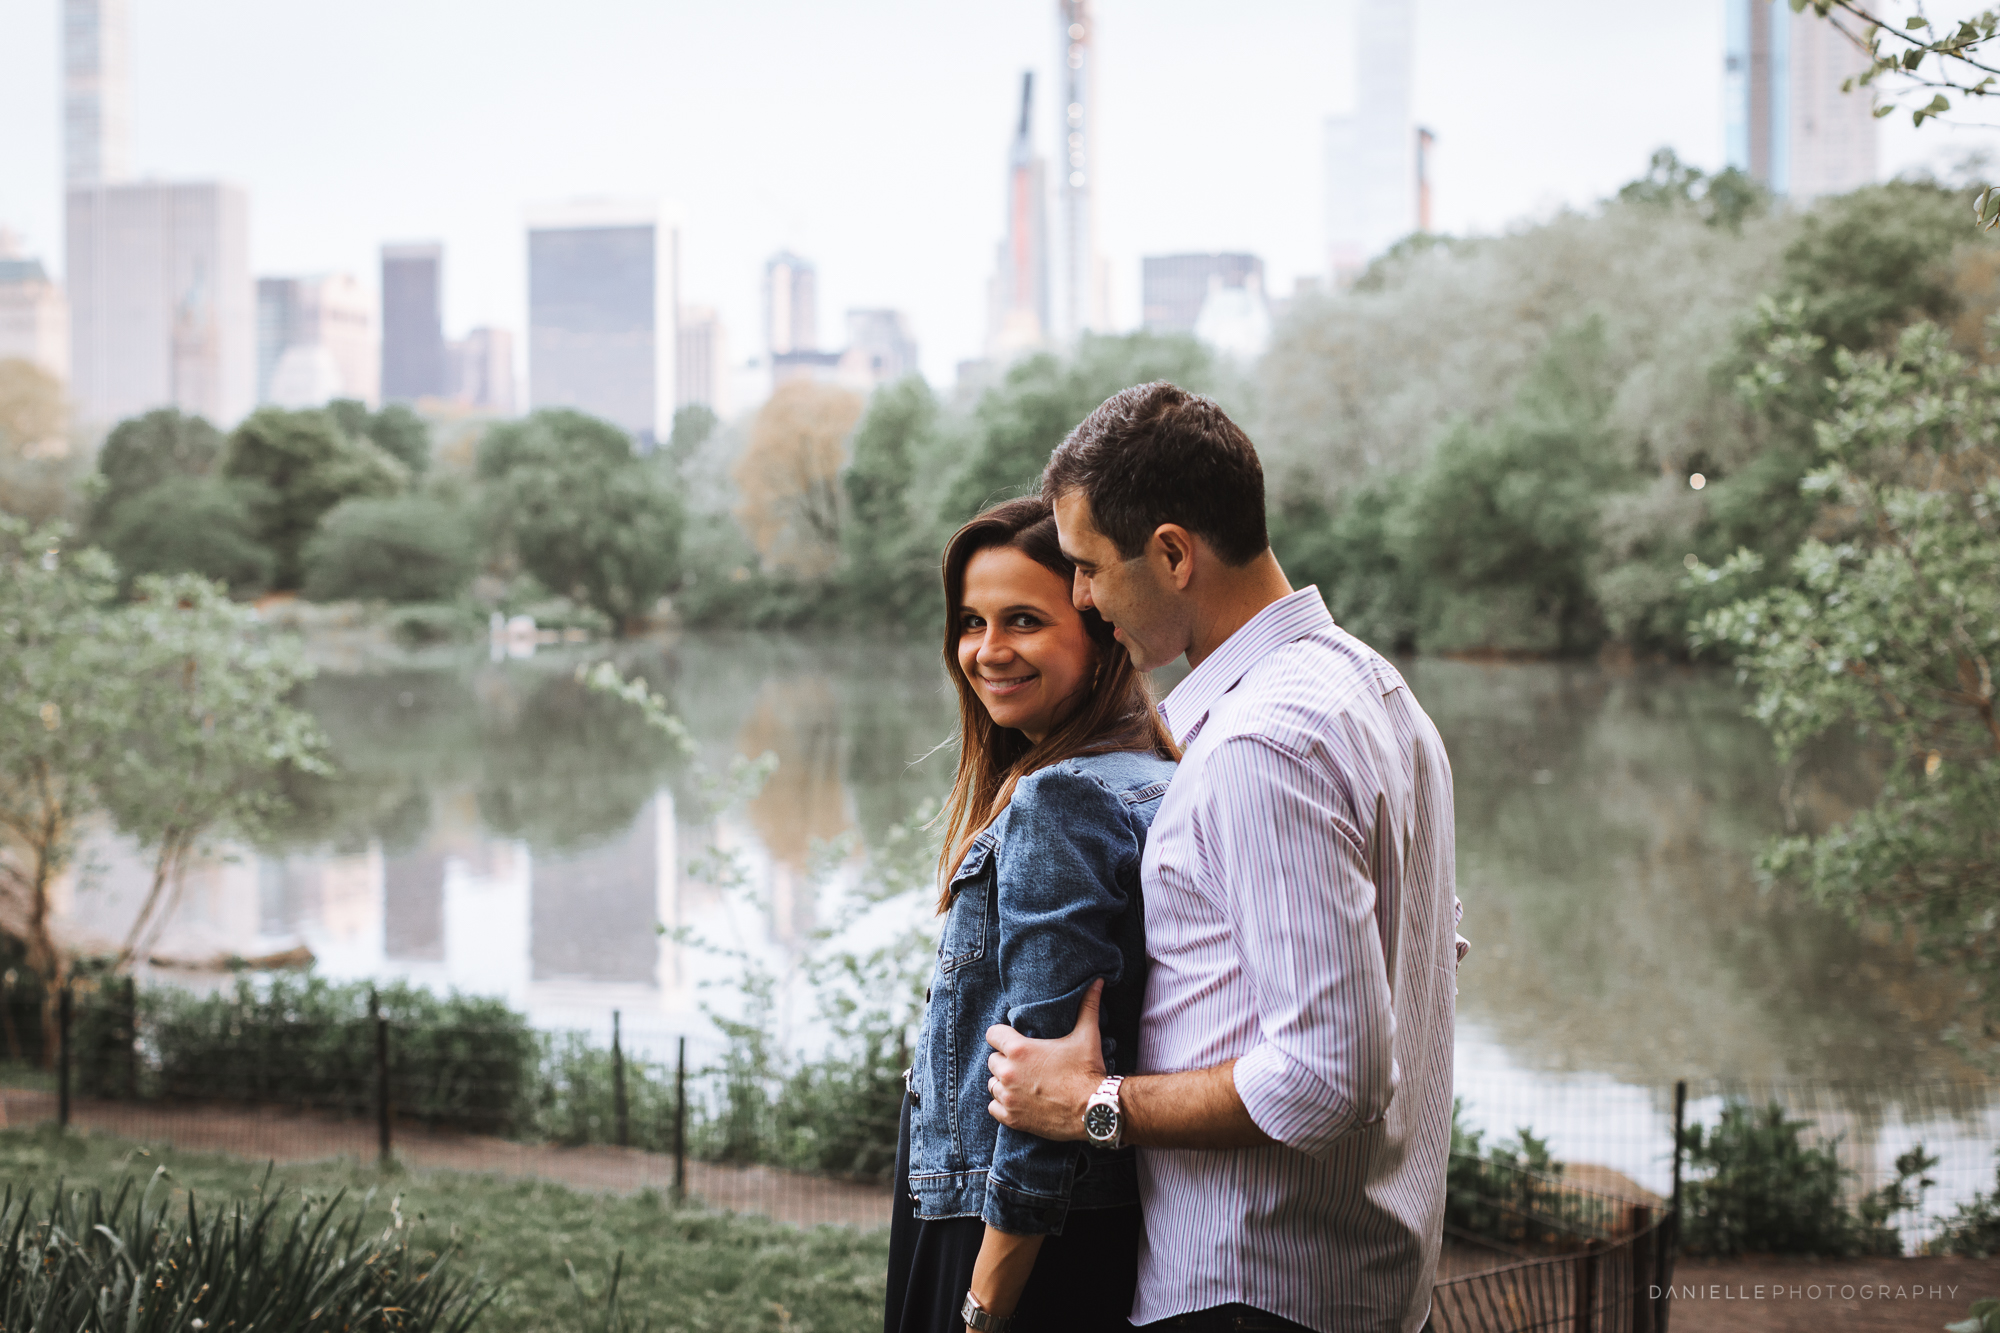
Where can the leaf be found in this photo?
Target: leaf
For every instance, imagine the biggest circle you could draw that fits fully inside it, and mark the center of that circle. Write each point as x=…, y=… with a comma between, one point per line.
x=1916, y=21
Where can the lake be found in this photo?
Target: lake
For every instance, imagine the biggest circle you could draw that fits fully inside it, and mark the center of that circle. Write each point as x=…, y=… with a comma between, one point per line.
x=500, y=829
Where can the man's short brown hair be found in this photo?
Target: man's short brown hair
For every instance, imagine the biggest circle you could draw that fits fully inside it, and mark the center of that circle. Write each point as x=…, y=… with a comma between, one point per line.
x=1155, y=453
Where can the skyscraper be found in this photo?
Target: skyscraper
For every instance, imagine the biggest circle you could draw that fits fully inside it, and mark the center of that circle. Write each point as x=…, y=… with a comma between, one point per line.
x=1018, y=299
x=413, y=363
x=1372, y=173
x=603, y=313
x=482, y=370
x=161, y=308
x=1785, y=119
x=96, y=119
x=34, y=314
x=704, y=360
x=880, y=349
x=1082, y=295
x=791, y=304
x=315, y=341
x=1176, y=287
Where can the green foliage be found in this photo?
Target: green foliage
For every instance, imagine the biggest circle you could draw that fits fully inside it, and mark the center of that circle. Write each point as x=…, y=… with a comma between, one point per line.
x=303, y=464
x=1983, y=1317
x=1973, y=1229
x=890, y=545
x=189, y=525
x=1761, y=1189
x=1017, y=425
x=691, y=429
x=141, y=1261
x=405, y=549
x=306, y=1041
x=583, y=513
x=695, y=1270
x=144, y=451
x=1866, y=263
x=1721, y=200
x=1889, y=624
x=396, y=430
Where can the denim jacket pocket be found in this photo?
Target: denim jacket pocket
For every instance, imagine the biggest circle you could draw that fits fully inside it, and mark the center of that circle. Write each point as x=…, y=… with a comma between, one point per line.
x=965, y=931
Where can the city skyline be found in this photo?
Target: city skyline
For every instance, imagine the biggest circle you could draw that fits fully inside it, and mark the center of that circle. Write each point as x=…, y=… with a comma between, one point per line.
x=327, y=189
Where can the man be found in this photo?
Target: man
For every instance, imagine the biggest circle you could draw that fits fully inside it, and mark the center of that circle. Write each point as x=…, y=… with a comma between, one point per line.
x=1300, y=911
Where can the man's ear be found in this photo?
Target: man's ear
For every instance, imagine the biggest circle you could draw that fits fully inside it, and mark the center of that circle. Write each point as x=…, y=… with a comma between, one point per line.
x=1171, y=550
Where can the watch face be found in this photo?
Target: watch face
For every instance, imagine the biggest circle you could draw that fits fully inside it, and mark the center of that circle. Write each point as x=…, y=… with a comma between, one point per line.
x=1101, y=1121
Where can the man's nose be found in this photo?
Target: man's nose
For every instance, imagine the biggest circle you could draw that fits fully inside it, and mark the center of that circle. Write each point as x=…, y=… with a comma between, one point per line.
x=1079, y=592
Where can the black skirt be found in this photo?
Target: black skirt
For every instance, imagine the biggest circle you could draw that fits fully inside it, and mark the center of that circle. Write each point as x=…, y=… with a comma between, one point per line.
x=1082, y=1280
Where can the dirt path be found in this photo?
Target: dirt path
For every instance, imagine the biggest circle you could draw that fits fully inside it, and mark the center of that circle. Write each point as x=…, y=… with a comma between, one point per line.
x=1842, y=1296
x=268, y=1134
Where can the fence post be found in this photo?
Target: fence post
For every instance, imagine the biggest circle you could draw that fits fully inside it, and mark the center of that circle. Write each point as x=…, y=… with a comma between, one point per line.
x=131, y=1039
x=1585, y=1313
x=382, y=1107
x=620, y=1121
x=680, y=1124
x=1680, y=1127
x=62, y=1056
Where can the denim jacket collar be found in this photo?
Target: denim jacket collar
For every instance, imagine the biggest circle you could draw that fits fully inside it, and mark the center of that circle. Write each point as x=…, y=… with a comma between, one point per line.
x=1290, y=617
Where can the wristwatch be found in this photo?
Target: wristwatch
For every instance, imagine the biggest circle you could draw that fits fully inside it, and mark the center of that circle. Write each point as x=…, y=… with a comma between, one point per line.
x=1103, y=1118
x=978, y=1318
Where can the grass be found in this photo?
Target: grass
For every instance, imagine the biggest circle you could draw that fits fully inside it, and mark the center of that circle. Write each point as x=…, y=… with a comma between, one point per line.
x=683, y=1268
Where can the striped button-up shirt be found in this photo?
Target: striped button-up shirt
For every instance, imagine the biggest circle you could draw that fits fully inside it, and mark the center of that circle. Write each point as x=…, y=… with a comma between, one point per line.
x=1302, y=921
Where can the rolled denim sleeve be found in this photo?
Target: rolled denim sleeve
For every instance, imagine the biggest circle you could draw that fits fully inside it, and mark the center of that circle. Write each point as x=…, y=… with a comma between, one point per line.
x=1302, y=907
x=1068, y=843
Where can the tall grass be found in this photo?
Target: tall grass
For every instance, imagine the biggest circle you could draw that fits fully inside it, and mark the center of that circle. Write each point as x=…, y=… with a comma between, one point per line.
x=135, y=1263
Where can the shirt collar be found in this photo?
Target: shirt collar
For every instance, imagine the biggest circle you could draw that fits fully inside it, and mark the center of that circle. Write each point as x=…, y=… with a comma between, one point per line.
x=1289, y=618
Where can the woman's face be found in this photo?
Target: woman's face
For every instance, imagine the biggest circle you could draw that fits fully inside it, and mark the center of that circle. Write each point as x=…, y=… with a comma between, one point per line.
x=1020, y=642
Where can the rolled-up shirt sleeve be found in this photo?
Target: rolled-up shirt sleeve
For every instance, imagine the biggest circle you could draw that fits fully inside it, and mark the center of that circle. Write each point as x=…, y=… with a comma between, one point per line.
x=1283, y=840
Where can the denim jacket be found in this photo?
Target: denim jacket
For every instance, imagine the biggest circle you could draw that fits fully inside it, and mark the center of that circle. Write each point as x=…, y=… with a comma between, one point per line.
x=1045, y=901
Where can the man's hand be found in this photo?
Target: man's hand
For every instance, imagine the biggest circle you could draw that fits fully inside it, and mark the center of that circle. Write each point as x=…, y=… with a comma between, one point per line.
x=1041, y=1086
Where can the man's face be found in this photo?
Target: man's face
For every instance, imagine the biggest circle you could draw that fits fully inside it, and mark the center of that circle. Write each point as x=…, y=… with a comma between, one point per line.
x=1130, y=594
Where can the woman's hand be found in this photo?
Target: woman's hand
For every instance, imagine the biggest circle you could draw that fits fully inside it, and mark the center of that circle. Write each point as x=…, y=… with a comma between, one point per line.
x=1001, y=1271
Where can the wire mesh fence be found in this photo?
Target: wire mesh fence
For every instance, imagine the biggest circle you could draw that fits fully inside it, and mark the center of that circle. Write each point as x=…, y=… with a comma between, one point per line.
x=625, y=1109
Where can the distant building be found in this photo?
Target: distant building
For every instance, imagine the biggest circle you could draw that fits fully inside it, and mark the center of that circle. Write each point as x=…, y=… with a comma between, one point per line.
x=1018, y=297
x=1785, y=120
x=1174, y=288
x=703, y=374
x=315, y=341
x=481, y=366
x=161, y=308
x=34, y=313
x=603, y=313
x=96, y=91
x=880, y=348
x=802, y=365
x=791, y=304
x=1082, y=286
x=1373, y=181
x=413, y=362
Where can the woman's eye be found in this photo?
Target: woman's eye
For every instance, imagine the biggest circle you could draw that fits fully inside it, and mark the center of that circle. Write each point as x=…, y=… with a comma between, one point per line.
x=967, y=624
x=1026, y=621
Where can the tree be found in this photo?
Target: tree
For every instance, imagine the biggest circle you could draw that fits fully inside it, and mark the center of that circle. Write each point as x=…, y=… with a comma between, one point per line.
x=890, y=544
x=1017, y=424
x=1889, y=624
x=396, y=430
x=584, y=514
x=143, y=451
x=404, y=549
x=189, y=525
x=167, y=713
x=38, y=469
x=304, y=465
x=789, y=476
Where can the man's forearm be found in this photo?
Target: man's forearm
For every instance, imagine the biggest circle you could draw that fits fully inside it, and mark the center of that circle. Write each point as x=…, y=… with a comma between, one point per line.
x=1196, y=1109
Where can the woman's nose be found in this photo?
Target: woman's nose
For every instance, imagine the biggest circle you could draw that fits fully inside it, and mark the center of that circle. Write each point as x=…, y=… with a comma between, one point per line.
x=993, y=648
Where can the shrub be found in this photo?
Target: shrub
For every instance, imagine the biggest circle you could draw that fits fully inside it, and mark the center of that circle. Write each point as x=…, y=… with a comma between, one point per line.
x=406, y=549
x=189, y=525
x=1768, y=1192
x=138, y=1262
x=434, y=622
x=304, y=465
x=1508, y=1191
x=1974, y=1229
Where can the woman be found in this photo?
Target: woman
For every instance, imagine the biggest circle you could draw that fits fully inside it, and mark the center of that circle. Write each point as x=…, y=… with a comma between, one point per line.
x=1062, y=763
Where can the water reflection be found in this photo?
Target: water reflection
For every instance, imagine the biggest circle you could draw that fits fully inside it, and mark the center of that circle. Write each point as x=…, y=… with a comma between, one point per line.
x=498, y=828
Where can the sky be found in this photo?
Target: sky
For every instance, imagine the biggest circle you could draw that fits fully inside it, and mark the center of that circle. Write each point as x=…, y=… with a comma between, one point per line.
x=868, y=135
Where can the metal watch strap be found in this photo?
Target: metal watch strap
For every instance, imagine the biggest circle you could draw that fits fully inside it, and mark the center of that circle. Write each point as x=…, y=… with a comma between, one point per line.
x=981, y=1320
x=1107, y=1091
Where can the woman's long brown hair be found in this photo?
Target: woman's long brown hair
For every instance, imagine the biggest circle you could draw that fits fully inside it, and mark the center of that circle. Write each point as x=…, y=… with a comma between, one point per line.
x=1114, y=712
